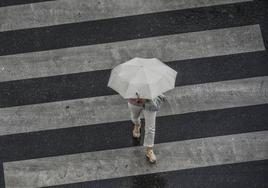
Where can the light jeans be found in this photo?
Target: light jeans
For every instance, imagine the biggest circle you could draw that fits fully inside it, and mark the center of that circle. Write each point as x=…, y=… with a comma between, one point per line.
x=149, y=116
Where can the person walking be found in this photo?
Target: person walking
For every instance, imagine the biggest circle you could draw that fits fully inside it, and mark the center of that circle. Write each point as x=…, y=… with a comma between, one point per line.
x=149, y=108
x=143, y=81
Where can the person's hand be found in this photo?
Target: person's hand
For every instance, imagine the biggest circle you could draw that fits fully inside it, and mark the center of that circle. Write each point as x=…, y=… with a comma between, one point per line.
x=140, y=101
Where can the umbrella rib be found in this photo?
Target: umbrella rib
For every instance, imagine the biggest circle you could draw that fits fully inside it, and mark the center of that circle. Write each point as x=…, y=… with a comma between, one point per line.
x=148, y=83
x=130, y=83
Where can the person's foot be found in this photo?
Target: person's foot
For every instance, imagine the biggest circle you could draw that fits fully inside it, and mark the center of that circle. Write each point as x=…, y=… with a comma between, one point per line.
x=150, y=155
x=137, y=131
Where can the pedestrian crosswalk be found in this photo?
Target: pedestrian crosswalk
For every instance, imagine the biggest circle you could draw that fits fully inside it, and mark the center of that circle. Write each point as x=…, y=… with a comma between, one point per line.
x=131, y=27
x=127, y=162
x=113, y=108
x=67, y=11
x=105, y=56
x=61, y=126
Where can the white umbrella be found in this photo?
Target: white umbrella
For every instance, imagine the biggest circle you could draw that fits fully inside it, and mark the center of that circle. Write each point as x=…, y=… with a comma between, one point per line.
x=146, y=77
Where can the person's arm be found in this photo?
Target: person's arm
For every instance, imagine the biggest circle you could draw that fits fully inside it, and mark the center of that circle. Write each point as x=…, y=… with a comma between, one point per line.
x=154, y=104
x=162, y=97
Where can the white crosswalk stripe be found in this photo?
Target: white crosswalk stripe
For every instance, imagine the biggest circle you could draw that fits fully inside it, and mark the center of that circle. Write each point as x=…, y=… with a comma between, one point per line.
x=106, y=56
x=126, y=162
x=95, y=110
x=68, y=11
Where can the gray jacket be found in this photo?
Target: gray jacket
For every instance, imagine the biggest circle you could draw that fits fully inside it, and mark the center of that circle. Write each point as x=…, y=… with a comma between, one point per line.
x=154, y=104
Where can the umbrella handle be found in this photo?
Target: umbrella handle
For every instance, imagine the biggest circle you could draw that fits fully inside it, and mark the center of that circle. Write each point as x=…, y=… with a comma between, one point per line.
x=137, y=95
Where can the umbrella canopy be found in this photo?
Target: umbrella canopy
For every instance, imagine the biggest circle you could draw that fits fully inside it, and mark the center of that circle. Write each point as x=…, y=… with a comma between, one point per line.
x=146, y=77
